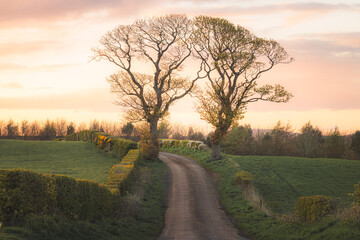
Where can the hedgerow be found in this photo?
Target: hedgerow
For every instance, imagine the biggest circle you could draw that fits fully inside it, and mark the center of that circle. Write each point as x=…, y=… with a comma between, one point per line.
x=196, y=145
x=122, y=175
x=104, y=141
x=25, y=193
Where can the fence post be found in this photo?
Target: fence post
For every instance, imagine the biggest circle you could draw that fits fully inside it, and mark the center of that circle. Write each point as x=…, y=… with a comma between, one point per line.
x=77, y=137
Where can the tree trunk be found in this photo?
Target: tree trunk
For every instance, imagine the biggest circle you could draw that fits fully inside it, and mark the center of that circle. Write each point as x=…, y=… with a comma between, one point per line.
x=215, y=151
x=154, y=138
x=150, y=144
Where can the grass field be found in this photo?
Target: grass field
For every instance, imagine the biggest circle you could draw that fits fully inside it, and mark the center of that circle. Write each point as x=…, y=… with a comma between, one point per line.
x=77, y=159
x=145, y=220
x=280, y=180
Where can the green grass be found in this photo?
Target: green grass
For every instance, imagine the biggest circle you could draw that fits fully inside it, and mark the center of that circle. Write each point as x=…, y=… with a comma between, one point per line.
x=280, y=180
x=146, y=223
x=77, y=159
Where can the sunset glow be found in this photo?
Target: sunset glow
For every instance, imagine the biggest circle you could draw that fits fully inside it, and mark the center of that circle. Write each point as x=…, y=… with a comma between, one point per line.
x=46, y=72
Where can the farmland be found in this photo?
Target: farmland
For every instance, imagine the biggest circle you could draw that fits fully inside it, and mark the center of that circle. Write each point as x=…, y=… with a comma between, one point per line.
x=280, y=181
x=77, y=159
x=140, y=213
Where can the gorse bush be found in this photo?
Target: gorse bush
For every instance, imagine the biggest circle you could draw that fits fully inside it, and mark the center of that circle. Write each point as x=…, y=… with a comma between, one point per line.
x=312, y=208
x=104, y=141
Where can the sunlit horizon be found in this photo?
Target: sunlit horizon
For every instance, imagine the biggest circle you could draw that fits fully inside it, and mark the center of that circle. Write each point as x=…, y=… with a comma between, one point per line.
x=46, y=72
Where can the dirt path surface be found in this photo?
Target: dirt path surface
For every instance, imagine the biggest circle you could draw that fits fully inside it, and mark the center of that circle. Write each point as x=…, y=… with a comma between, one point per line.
x=193, y=210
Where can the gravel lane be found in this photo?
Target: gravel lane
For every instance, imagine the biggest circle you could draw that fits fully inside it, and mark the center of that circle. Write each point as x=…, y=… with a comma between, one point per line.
x=194, y=211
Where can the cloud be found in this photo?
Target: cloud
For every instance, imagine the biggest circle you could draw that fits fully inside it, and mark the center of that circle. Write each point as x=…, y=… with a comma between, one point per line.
x=27, y=47
x=97, y=100
x=11, y=85
x=329, y=44
x=6, y=67
x=33, y=10
x=237, y=8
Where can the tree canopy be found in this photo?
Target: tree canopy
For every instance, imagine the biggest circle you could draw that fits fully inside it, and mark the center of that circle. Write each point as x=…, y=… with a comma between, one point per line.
x=233, y=59
x=164, y=43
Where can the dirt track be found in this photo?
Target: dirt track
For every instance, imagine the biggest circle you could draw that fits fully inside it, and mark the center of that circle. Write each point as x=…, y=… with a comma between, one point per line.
x=193, y=210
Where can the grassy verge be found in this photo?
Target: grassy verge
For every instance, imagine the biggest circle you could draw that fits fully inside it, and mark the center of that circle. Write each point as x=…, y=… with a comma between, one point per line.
x=142, y=216
x=80, y=160
x=279, y=181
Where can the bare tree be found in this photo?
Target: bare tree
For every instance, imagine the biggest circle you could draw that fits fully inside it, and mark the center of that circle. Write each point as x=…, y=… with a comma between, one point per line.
x=162, y=42
x=61, y=127
x=109, y=127
x=35, y=128
x=94, y=124
x=25, y=128
x=164, y=129
x=233, y=59
x=12, y=128
x=2, y=128
x=82, y=126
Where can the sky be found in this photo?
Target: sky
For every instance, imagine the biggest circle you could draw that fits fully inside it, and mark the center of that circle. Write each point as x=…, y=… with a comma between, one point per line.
x=46, y=72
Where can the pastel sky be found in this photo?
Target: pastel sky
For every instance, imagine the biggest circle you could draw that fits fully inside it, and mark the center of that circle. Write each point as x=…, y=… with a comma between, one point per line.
x=45, y=48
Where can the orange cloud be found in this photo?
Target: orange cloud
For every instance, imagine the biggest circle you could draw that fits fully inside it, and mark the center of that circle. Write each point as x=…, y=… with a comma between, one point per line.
x=21, y=68
x=96, y=100
x=15, y=85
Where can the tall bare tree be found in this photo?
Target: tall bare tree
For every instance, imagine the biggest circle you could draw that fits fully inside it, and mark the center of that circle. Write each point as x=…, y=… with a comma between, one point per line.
x=233, y=59
x=164, y=43
x=35, y=128
x=25, y=128
x=61, y=127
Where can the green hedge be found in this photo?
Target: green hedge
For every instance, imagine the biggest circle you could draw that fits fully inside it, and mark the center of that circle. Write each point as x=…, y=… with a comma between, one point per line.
x=121, y=176
x=26, y=193
x=195, y=145
x=117, y=145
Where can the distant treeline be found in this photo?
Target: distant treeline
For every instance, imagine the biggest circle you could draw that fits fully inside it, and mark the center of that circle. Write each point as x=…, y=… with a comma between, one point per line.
x=281, y=140
x=50, y=129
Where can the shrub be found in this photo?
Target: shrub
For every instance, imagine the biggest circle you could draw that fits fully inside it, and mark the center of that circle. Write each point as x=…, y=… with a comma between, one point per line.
x=26, y=193
x=244, y=179
x=104, y=141
x=357, y=193
x=311, y=208
x=122, y=175
x=149, y=152
x=68, y=203
x=122, y=146
x=184, y=143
